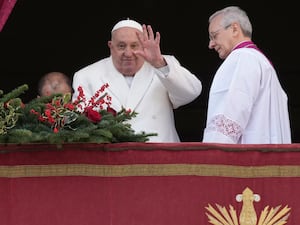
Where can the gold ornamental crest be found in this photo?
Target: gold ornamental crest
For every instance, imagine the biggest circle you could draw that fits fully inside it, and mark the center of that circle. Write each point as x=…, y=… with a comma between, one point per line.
x=273, y=216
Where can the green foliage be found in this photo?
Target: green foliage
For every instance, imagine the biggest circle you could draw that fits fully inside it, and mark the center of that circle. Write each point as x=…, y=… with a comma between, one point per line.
x=19, y=125
x=10, y=108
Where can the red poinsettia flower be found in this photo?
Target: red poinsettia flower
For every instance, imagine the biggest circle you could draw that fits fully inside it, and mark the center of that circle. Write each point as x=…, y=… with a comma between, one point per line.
x=93, y=115
x=112, y=111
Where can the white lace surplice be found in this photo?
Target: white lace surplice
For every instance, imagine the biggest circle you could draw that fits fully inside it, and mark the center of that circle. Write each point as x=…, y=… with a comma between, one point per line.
x=246, y=102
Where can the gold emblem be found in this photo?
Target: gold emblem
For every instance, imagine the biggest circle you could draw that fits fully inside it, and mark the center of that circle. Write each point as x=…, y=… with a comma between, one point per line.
x=221, y=216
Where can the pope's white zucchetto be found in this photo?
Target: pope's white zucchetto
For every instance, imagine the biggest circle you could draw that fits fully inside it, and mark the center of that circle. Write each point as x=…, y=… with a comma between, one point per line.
x=128, y=23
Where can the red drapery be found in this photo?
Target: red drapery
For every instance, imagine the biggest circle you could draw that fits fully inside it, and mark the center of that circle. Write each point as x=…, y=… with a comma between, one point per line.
x=6, y=6
x=143, y=183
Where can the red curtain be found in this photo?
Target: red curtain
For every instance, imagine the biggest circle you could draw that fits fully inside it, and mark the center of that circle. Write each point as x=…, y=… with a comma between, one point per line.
x=6, y=7
x=145, y=184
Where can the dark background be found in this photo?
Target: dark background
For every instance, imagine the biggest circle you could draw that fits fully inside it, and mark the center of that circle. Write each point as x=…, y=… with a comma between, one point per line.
x=60, y=35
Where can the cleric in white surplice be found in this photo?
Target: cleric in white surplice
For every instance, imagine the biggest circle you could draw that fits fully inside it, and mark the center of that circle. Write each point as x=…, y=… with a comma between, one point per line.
x=247, y=104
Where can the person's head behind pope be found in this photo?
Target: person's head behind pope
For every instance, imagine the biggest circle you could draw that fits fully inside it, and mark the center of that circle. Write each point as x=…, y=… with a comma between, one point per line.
x=53, y=83
x=123, y=44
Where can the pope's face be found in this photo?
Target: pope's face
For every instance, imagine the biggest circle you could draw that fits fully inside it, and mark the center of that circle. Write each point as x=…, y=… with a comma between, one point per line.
x=122, y=46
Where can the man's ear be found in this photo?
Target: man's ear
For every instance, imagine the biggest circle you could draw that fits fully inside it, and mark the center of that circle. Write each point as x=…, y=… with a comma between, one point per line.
x=236, y=27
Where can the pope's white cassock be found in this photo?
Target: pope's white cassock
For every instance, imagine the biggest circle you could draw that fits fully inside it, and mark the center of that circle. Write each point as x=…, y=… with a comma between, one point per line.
x=247, y=104
x=152, y=93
